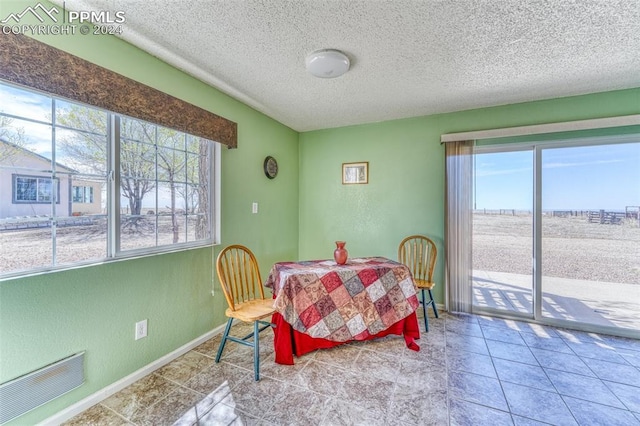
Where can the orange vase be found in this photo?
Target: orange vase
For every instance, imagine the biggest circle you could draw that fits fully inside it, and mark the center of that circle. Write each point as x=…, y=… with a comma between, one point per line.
x=340, y=254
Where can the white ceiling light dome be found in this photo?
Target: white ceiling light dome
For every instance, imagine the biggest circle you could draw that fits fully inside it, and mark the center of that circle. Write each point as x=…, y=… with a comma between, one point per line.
x=327, y=63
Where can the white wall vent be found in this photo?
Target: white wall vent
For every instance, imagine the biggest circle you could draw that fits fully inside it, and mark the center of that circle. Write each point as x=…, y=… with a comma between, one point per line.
x=34, y=389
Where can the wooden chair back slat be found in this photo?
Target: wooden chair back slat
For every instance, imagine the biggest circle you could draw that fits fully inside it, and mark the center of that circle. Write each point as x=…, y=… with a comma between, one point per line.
x=419, y=253
x=239, y=275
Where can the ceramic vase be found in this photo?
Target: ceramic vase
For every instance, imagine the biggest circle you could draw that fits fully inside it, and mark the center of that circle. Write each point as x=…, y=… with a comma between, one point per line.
x=340, y=254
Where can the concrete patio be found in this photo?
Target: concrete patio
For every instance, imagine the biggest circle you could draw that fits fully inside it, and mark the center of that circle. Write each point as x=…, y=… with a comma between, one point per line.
x=599, y=303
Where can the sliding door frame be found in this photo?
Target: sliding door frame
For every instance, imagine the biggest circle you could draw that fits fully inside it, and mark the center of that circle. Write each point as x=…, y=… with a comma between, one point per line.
x=537, y=149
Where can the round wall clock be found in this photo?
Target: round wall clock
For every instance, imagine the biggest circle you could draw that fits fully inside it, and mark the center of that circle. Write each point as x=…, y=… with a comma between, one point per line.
x=270, y=167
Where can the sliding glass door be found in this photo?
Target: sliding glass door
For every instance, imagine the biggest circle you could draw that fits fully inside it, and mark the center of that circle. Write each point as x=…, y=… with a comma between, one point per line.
x=590, y=245
x=556, y=233
x=503, y=231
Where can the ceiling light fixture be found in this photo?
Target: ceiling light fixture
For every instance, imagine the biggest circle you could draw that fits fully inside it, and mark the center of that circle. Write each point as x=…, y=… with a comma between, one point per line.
x=327, y=63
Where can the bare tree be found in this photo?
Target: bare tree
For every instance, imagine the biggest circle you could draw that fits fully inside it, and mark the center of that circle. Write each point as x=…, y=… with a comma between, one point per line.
x=12, y=140
x=186, y=170
x=90, y=145
x=196, y=193
x=204, y=175
x=148, y=154
x=171, y=168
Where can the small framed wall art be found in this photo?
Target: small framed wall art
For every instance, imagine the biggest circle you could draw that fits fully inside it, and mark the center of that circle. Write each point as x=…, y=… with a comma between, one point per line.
x=355, y=173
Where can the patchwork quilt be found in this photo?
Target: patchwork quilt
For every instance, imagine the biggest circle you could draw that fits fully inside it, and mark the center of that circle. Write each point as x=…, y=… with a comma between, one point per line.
x=343, y=302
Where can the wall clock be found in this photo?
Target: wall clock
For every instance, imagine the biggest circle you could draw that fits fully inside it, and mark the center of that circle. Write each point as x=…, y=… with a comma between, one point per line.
x=270, y=167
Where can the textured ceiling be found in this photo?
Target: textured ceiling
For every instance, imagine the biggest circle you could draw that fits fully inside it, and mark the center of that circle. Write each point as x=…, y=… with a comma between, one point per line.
x=409, y=58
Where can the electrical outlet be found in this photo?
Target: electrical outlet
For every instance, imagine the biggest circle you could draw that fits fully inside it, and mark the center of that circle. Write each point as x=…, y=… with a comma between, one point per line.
x=141, y=329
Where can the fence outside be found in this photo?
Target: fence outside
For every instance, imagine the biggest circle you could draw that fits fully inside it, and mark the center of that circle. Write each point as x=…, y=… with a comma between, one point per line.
x=608, y=217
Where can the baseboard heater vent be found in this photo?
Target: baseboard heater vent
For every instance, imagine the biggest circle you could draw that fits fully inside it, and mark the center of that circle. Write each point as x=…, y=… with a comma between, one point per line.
x=34, y=389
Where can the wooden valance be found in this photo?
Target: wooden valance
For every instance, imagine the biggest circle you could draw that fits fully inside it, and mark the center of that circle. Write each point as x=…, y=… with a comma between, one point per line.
x=31, y=63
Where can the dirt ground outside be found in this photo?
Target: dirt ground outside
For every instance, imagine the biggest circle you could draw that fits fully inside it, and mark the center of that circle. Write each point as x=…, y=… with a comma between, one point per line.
x=24, y=249
x=571, y=247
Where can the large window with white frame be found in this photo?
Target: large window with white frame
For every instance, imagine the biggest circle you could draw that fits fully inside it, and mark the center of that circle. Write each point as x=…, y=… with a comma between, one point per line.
x=83, y=185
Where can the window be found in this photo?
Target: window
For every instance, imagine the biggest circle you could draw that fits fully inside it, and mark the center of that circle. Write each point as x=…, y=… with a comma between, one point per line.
x=121, y=186
x=83, y=194
x=32, y=189
x=164, y=179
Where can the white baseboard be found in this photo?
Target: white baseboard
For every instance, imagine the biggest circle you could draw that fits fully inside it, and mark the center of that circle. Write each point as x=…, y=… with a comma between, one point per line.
x=104, y=393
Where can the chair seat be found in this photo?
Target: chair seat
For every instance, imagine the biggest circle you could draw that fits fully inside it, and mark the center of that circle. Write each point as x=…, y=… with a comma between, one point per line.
x=252, y=310
x=424, y=284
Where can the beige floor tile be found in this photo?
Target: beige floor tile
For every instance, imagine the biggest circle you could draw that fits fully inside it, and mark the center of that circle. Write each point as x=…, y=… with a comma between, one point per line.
x=185, y=367
x=98, y=415
x=369, y=383
x=176, y=407
x=140, y=395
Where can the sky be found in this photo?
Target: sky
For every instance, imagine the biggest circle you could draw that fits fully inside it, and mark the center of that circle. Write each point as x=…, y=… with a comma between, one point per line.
x=32, y=106
x=573, y=178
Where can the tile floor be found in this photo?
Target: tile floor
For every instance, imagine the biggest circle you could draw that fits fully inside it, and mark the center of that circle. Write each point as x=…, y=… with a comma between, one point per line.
x=471, y=370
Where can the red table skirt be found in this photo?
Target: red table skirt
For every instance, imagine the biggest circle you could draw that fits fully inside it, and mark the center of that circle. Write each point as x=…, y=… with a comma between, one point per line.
x=288, y=342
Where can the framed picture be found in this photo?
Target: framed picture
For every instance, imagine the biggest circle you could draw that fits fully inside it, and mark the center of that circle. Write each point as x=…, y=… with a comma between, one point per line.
x=355, y=173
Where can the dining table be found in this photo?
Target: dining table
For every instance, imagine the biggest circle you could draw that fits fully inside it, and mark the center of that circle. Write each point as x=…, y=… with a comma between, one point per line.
x=321, y=304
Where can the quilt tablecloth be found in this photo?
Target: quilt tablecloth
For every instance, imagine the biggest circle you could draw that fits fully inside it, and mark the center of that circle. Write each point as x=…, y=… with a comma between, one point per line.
x=339, y=303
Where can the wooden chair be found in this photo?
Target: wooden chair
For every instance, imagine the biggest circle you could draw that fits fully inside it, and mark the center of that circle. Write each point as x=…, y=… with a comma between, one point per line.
x=239, y=276
x=419, y=253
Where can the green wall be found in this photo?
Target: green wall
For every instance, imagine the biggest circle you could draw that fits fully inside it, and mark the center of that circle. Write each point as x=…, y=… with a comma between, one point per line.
x=50, y=316
x=405, y=194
